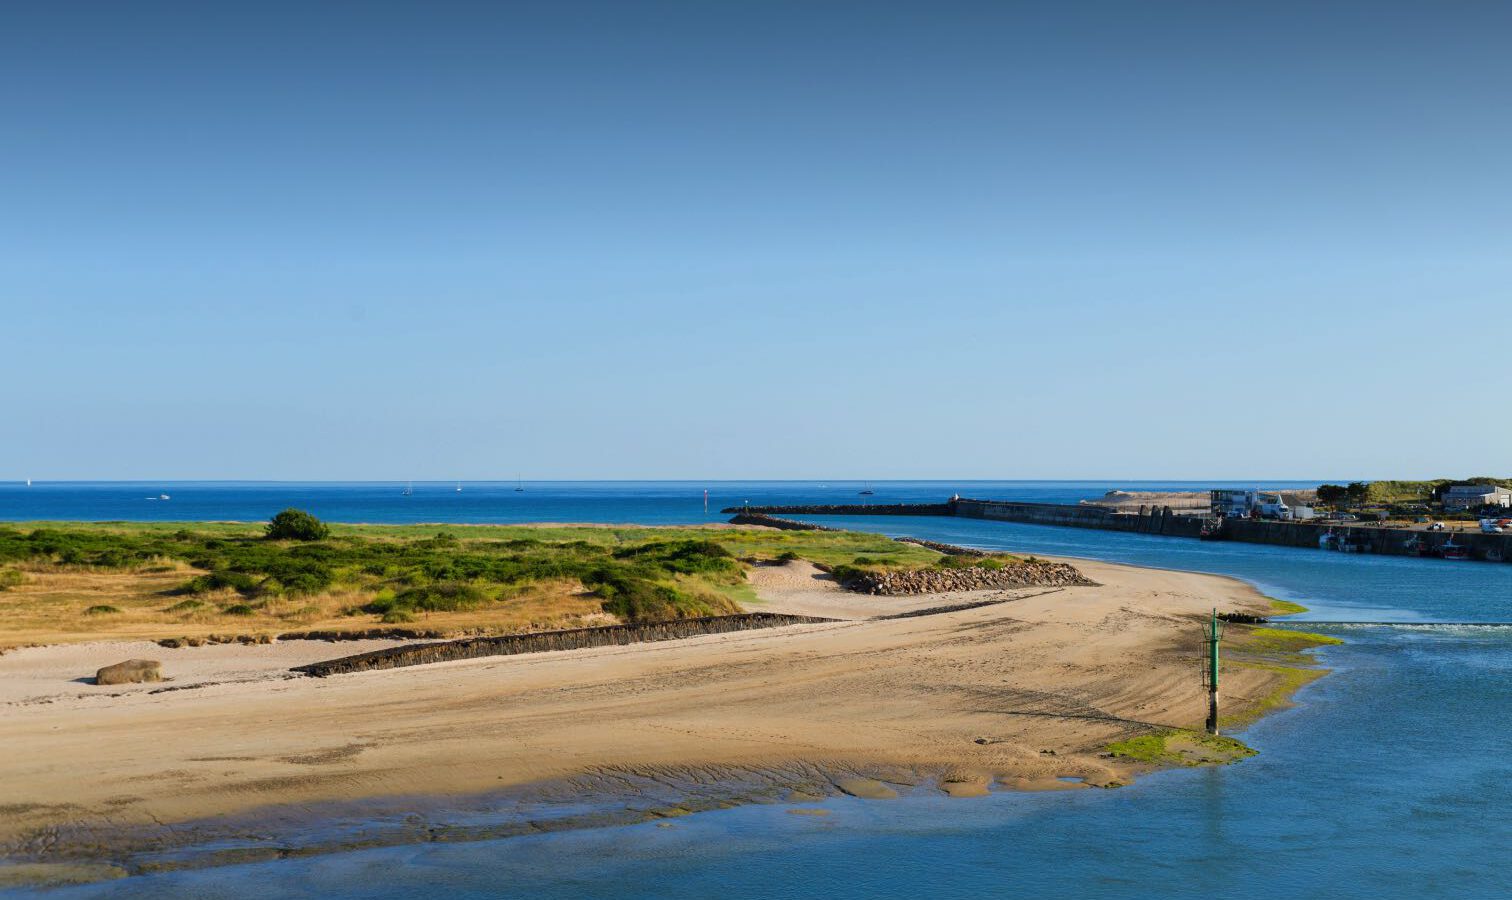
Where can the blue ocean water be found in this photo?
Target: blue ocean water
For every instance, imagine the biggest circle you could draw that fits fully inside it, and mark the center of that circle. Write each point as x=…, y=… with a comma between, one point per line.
x=643, y=502
x=1390, y=779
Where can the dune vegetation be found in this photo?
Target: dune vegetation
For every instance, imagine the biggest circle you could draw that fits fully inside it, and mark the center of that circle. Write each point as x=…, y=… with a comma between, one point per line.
x=82, y=581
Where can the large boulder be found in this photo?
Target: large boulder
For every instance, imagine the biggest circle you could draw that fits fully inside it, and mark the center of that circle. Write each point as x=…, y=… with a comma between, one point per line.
x=132, y=671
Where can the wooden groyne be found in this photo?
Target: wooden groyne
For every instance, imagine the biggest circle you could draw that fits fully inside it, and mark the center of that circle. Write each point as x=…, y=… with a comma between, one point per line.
x=545, y=641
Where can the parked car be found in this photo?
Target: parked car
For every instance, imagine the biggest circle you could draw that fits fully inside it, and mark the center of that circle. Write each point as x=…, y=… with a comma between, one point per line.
x=1436, y=526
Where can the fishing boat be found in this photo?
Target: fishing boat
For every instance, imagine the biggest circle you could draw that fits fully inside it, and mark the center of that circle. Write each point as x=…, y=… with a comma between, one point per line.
x=1329, y=541
x=1451, y=550
x=1414, y=546
x=409, y=489
x=1212, y=530
x=164, y=497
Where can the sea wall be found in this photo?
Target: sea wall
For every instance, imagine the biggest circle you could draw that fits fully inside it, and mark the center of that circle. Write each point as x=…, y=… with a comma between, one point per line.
x=543, y=641
x=1158, y=520
x=1165, y=521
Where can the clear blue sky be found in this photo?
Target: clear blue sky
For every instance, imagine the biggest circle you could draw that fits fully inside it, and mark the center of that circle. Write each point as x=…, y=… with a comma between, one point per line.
x=731, y=239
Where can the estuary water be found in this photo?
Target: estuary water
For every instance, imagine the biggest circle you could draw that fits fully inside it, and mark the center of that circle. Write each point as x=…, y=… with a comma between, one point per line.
x=1391, y=778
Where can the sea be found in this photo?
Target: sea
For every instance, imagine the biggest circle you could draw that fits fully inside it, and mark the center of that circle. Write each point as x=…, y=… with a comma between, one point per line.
x=1390, y=778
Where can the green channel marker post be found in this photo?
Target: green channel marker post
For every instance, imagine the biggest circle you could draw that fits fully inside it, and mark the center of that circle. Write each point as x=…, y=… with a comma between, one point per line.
x=1212, y=673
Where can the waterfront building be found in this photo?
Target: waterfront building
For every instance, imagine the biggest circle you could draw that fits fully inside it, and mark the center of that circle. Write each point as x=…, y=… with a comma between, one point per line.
x=1460, y=497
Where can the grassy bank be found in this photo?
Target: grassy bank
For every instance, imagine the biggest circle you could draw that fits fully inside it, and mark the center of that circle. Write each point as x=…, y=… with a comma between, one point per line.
x=81, y=581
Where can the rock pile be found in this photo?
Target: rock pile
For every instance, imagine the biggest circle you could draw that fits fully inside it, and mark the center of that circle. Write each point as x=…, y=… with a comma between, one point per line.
x=176, y=643
x=1027, y=573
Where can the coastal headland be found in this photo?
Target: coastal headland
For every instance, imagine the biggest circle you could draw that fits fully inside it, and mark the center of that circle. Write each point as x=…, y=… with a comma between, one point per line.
x=234, y=757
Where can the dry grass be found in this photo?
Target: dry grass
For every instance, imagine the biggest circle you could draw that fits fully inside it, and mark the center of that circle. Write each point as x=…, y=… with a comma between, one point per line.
x=50, y=608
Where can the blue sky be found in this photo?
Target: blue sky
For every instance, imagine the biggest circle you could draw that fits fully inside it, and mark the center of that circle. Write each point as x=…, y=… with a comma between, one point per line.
x=727, y=239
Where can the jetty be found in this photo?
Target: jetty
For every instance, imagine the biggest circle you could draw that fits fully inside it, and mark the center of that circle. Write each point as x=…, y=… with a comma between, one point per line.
x=1165, y=522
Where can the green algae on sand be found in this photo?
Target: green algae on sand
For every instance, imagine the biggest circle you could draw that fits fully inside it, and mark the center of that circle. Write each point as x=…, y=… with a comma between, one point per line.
x=1180, y=747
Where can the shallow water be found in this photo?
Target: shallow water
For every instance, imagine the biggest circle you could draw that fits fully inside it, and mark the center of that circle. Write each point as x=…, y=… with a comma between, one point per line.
x=1392, y=778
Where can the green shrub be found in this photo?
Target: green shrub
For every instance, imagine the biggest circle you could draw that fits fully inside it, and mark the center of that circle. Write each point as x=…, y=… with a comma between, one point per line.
x=297, y=525
x=636, y=599
x=100, y=610
x=239, y=609
x=10, y=578
x=446, y=596
x=683, y=557
x=397, y=617
x=787, y=556
x=846, y=574
x=241, y=582
x=185, y=606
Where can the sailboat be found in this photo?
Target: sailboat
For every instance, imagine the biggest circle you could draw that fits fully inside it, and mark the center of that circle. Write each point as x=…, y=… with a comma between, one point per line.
x=409, y=488
x=519, y=485
x=28, y=482
x=459, y=487
x=868, y=492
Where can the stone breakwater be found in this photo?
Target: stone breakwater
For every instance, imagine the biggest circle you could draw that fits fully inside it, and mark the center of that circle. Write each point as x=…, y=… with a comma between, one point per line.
x=947, y=549
x=767, y=521
x=542, y=641
x=1028, y=573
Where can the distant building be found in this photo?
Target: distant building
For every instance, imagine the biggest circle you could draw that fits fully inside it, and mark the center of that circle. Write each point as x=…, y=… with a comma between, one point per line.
x=1243, y=504
x=1473, y=496
x=1231, y=502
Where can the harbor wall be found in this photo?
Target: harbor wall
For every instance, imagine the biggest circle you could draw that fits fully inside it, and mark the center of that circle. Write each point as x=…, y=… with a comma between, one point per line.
x=1164, y=521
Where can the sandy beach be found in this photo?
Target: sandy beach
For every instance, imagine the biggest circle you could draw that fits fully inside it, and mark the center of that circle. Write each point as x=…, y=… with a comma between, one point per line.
x=1017, y=693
